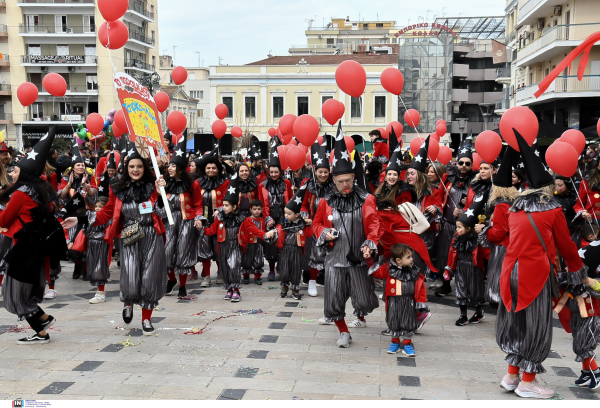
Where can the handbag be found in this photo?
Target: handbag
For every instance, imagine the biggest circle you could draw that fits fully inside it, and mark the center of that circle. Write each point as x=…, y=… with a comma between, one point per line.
x=553, y=277
x=415, y=218
x=132, y=233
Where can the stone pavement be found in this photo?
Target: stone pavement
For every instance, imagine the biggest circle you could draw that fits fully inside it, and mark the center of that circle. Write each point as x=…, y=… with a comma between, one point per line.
x=282, y=353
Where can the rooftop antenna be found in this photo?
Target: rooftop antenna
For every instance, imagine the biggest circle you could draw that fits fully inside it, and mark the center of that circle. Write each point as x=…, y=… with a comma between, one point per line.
x=220, y=59
x=310, y=21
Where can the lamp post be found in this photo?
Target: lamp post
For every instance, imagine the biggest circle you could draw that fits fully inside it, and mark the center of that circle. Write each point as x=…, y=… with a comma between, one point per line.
x=462, y=124
x=487, y=110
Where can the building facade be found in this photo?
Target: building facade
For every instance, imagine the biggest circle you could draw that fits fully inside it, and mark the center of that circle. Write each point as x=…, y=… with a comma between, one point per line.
x=60, y=36
x=260, y=93
x=182, y=102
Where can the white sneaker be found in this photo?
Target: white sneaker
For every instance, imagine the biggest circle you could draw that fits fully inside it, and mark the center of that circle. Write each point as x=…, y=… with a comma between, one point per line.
x=205, y=282
x=99, y=298
x=380, y=296
x=357, y=323
x=312, y=288
x=51, y=294
x=324, y=321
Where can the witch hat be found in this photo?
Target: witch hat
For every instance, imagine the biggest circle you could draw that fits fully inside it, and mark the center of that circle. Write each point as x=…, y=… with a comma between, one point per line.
x=322, y=160
x=132, y=151
x=179, y=156
x=76, y=156
x=35, y=161
x=314, y=151
x=537, y=175
x=274, y=159
x=466, y=148
x=536, y=151
x=296, y=202
x=111, y=161
x=232, y=195
x=254, y=153
x=395, y=162
x=503, y=177
x=471, y=216
x=342, y=163
x=393, y=141
x=420, y=161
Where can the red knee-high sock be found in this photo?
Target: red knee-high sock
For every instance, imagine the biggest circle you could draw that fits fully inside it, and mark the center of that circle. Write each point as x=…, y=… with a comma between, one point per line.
x=171, y=276
x=146, y=314
x=314, y=273
x=1, y=279
x=406, y=342
x=246, y=275
x=342, y=326
x=513, y=370
x=590, y=364
x=100, y=288
x=205, y=268
x=585, y=364
x=47, y=270
x=395, y=340
x=593, y=365
x=182, y=280
x=528, y=377
x=361, y=318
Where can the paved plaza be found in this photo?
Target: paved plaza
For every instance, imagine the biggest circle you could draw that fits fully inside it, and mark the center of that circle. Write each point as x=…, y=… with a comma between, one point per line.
x=279, y=353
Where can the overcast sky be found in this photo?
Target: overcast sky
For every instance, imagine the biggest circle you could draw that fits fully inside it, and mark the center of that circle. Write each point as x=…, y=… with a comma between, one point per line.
x=243, y=31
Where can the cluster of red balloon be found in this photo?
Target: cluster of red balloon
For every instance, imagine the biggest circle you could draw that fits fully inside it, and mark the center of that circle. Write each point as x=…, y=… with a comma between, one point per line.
x=219, y=127
x=113, y=33
x=53, y=83
x=563, y=155
x=333, y=110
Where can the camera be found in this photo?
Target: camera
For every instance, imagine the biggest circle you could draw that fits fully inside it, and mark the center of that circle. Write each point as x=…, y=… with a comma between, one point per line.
x=335, y=233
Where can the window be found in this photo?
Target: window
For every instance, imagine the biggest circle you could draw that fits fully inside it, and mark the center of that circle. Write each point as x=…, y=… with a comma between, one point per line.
x=324, y=98
x=62, y=49
x=200, y=113
x=92, y=82
x=365, y=25
x=89, y=24
x=378, y=25
x=302, y=105
x=250, y=102
x=37, y=110
x=35, y=49
x=153, y=35
x=90, y=54
x=277, y=107
x=330, y=41
x=228, y=101
x=380, y=106
x=36, y=79
x=547, y=72
x=60, y=24
x=355, y=111
x=32, y=23
x=153, y=62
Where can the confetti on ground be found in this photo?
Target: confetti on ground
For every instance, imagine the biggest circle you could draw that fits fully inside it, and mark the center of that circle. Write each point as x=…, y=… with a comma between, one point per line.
x=272, y=287
x=199, y=314
x=301, y=306
x=191, y=297
x=17, y=329
x=128, y=343
x=307, y=320
x=249, y=312
x=196, y=330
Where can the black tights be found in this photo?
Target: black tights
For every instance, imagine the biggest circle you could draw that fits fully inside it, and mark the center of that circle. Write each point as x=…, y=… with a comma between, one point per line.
x=35, y=322
x=463, y=310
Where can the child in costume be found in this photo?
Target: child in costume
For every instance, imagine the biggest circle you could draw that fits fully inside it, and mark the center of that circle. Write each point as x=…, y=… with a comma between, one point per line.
x=252, y=229
x=98, y=252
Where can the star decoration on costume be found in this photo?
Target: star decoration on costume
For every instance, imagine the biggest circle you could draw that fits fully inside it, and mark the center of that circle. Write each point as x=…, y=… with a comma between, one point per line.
x=178, y=152
x=594, y=243
x=298, y=200
x=521, y=164
x=464, y=150
x=256, y=154
x=418, y=158
x=345, y=156
x=74, y=157
x=316, y=155
x=470, y=213
x=319, y=161
x=275, y=154
x=537, y=153
x=334, y=161
x=231, y=190
x=582, y=253
x=76, y=201
x=44, y=138
x=398, y=162
x=130, y=152
x=31, y=155
x=100, y=188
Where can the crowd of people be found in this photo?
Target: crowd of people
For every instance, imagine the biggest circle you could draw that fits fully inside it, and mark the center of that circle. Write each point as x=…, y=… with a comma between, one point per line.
x=510, y=234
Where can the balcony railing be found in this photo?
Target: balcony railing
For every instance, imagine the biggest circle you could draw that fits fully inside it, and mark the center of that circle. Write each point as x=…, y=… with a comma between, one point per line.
x=6, y=116
x=70, y=89
x=317, y=46
x=141, y=37
x=502, y=104
x=358, y=28
x=139, y=8
x=59, y=59
x=37, y=117
x=5, y=87
x=573, y=32
x=528, y=6
x=589, y=83
x=503, y=72
x=134, y=63
x=54, y=29
x=56, y=1
x=511, y=37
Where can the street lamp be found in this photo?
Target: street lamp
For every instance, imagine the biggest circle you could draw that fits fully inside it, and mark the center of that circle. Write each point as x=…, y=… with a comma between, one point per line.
x=462, y=124
x=487, y=110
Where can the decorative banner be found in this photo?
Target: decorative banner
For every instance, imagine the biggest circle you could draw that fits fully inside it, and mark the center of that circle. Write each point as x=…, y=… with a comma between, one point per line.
x=141, y=113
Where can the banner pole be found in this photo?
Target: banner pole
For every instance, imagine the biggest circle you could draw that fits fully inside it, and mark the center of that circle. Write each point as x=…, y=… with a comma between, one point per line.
x=162, y=189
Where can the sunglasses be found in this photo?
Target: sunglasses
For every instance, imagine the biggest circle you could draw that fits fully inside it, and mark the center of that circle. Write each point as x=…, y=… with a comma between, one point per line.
x=462, y=163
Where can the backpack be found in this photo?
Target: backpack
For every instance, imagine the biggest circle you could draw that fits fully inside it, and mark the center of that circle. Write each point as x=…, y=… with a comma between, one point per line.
x=415, y=218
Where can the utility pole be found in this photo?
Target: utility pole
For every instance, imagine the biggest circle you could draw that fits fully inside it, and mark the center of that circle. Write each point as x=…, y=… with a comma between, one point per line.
x=199, y=60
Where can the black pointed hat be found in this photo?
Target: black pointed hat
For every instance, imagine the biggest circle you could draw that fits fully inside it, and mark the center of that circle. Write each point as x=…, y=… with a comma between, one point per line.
x=590, y=256
x=210, y=157
x=503, y=177
x=519, y=162
x=296, y=202
x=395, y=162
x=179, y=156
x=314, y=151
x=111, y=161
x=76, y=156
x=123, y=148
x=322, y=160
x=232, y=194
x=466, y=148
x=132, y=151
x=471, y=216
x=168, y=136
x=537, y=175
x=34, y=161
x=342, y=162
x=274, y=157
x=420, y=161
x=254, y=153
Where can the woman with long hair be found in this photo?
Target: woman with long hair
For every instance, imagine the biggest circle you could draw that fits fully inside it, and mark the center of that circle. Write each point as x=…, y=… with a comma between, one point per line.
x=393, y=186
x=248, y=189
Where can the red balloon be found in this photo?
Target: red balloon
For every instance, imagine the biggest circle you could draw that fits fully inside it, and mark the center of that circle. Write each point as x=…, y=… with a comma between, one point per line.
x=384, y=133
x=306, y=129
x=221, y=111
x=286, y=123
x=162, y=101
x=320, y=140
x=308, y=159
x=351, y=77
x=441, y=129
x=278, y=132
x=434, y=149
x=55, y=84
x=27, y=93
x=476, y=161
x=415, y=145
x=342, y=109
x=445, y=155
x=305, y=148
x=435, y=136
x=598, y=127
x=575, y=138
x=112, y=10
x=281, y=152
x=412, y=118
x=218, y=127
x=440, y=121
x=349, y=143
x=179, y=75
x=392, y=80
x=293, y=142
x=331, y=156
x=117, y=131
x=94, y=123
x=286, y=139
x=332, y=111
x=113, y=34
x=176, y=122
x=236, y=131
x=524, y=121
x=295, y=158
x=120, y=121
x=562, y=158
x=272, y=132
x=488, y=145
x=398, y=129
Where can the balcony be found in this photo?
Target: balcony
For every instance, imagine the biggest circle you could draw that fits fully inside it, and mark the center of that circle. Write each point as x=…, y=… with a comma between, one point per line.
x=145, y=40
x=6, y=118
x=72, y=90
x=60, y=30
x=5, y=89
x=5, y=61
x=3, y=30
x=460, y=70
x=460, y=95
x=139, y=65
x=561, y=88
x=314, y=48
x=139, y=8
x=553, y=41
x=78, y=60
x=532, y=10
x=503, y=75
x=36, y=118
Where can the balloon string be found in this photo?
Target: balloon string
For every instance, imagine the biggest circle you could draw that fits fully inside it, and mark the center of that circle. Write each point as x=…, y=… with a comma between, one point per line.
x=581, y=202
x=434, y=169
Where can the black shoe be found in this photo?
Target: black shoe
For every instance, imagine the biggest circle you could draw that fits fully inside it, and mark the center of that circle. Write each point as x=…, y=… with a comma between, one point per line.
x=245, y=280
x=476, y=318
x=34, y=339
x=594, y=380
x=147, y=328
x=305, y=277
x=320, y=278
x=85, y=276
x=443, y=292
x=127, y=314
x=584, y=379
x=258, y=281
x=182, y=293
x=77, y=272
x=296, y=294
x=51, y=320
x=284, y=291
x=170, y=285
x=462, y=320
x=386, y=332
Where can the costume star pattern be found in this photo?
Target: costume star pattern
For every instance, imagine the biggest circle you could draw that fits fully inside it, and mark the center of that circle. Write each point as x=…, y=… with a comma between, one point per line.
x=179, y=153
x=231, y=190
x=418, y=158
x=345, y=156
x=298, y=200
x=31, y=155
x=76, y=201
x=470, y=213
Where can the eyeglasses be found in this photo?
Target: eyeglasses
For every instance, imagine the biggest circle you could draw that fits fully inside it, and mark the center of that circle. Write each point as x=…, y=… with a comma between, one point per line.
x=462, y=163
